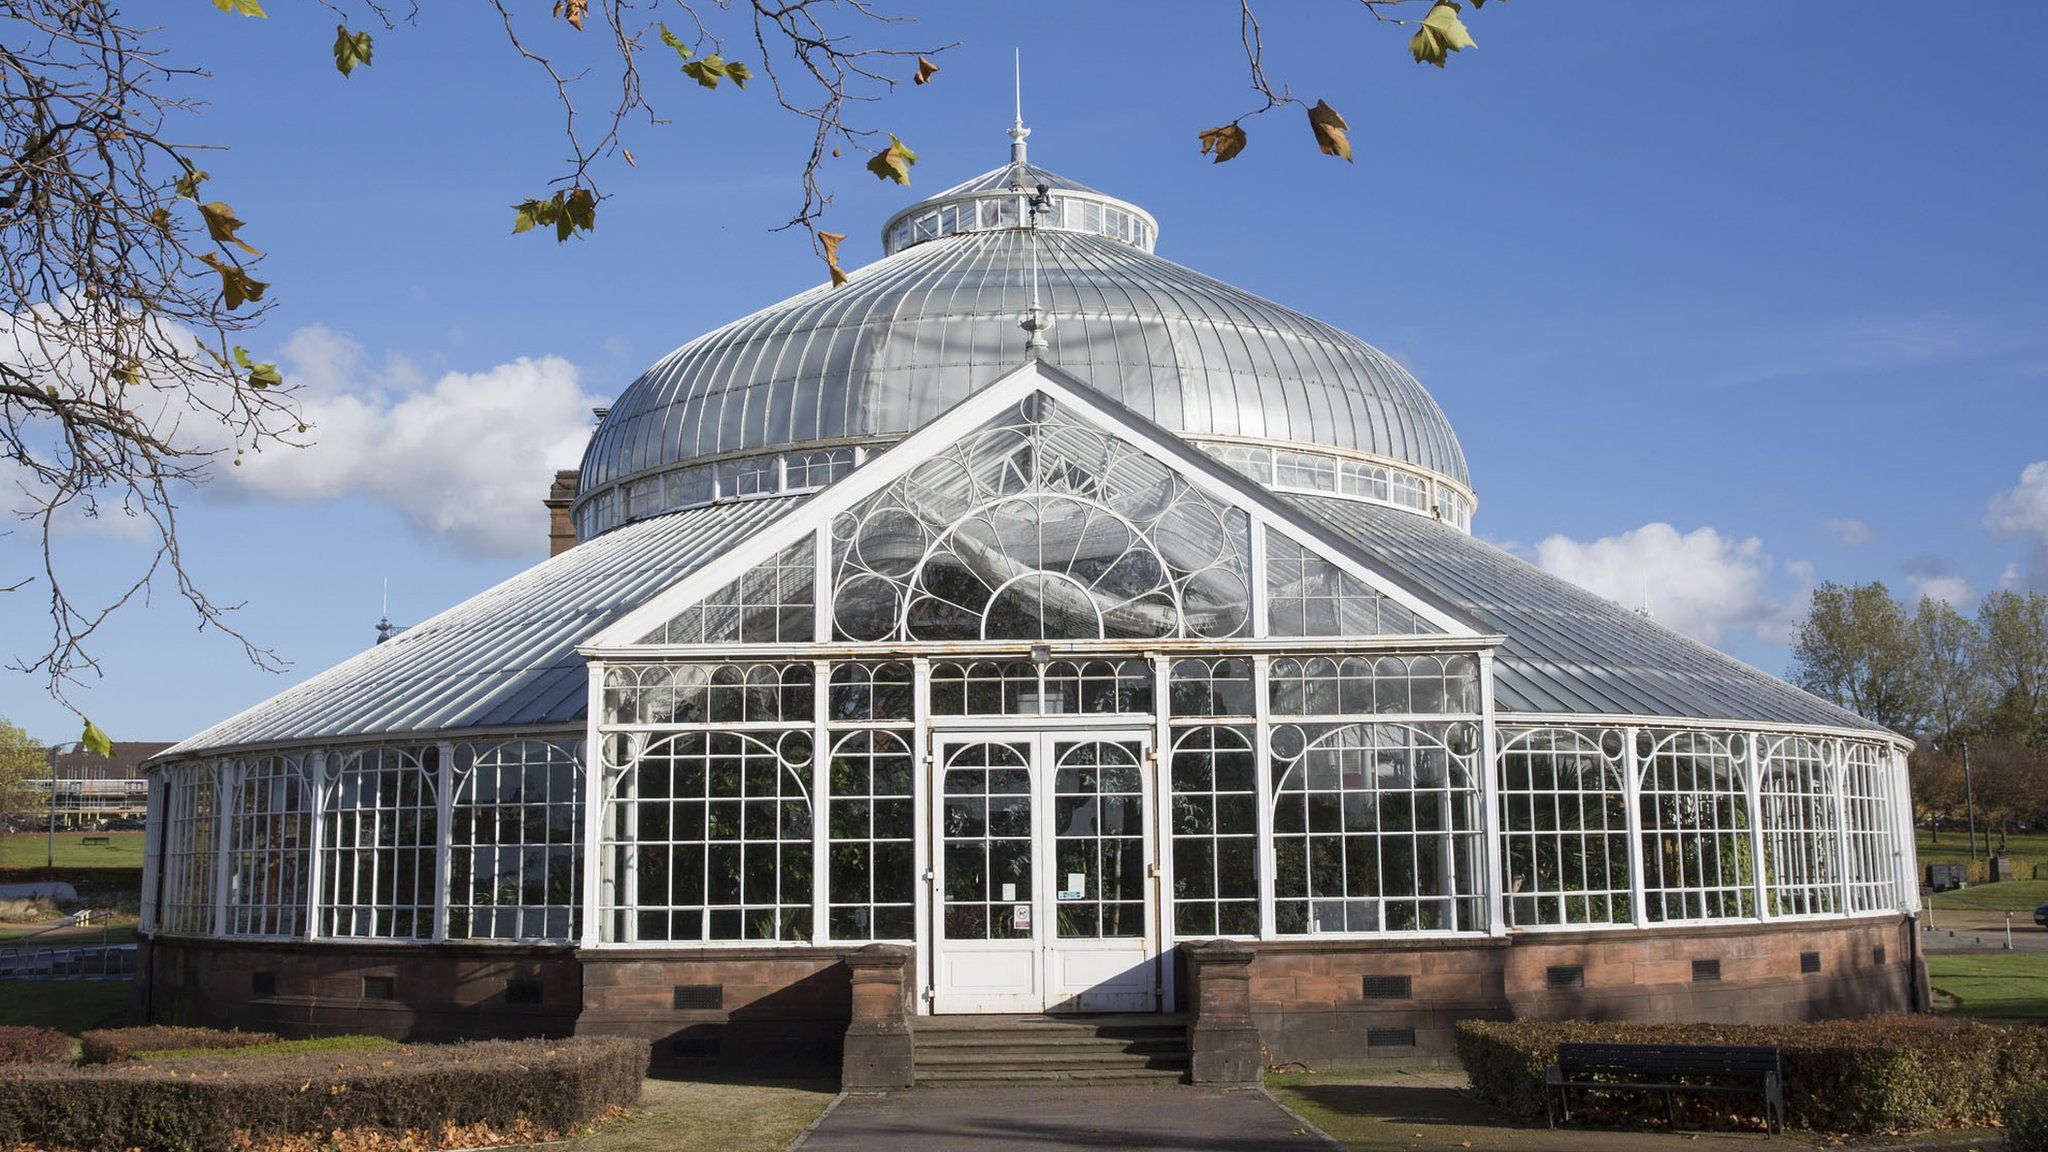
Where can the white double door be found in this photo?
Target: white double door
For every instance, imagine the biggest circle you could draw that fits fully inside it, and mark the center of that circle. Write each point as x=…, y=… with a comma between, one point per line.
x=1045, y=895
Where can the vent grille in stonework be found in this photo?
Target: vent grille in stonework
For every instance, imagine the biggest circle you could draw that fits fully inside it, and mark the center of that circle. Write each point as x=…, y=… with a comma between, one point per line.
x=1809, y=963
x=1390, y=1037
x=1706, y=970
x=700, y=997
x=1565, y=976
x=262, y=983
x=522, y=992
x=1389, y=988
x=1877, y=954
x=380, y=987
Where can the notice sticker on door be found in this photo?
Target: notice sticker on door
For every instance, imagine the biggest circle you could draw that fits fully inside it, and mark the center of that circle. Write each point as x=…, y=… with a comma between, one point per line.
x=1020, y=917
x=1009, y=893
x=1076, y=887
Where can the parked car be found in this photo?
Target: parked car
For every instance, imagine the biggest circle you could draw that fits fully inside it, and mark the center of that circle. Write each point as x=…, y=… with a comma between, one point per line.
x=2041, y=915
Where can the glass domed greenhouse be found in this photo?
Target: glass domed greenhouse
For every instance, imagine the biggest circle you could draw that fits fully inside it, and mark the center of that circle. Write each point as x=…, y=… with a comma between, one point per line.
x=1032, y=625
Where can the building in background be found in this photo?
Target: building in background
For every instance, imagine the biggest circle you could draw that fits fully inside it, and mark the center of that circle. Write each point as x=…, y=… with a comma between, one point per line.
x=1043, y=609
x=86, y=789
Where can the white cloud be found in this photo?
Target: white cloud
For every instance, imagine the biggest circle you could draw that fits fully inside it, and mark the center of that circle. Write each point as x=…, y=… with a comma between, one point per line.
x=2022, y=514
x=1957, y=590
x=465, y=457
x=1849, y=531
x=1701, y=583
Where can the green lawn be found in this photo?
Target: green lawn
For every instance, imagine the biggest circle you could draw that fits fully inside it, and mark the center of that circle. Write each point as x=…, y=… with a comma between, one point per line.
x=1955, y=846
x=2009, y=985
x=2011, y=896
x=32, y=850
x=67, y=1005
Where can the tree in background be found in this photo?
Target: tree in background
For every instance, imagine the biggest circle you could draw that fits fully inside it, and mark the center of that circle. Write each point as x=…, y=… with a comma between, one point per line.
x=1950, y=650
x=1856, y=648
x=2014, y=665
x=22, y=759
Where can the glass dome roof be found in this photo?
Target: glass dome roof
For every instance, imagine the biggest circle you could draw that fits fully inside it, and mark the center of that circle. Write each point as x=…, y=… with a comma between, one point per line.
x=938, y=318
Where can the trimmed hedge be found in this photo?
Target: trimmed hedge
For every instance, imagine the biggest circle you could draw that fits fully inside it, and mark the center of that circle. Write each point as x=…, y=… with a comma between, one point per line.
x=28, y=1045
x=208, y=1104
x=113, y=1045
x=1889, y=1074
x=2025, y=1119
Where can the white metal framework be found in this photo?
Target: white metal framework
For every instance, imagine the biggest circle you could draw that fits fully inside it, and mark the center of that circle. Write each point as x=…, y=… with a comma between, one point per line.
x=1040, y=672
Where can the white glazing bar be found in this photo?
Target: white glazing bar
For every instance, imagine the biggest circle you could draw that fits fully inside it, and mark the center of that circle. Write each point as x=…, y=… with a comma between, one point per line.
x=1632, y=796
x=1905, y=847
x=1162, y=807
x=1752, y=791
x=1260, y=625
x=1488, y=782
x=1262, y=755
x=593, y=806
x=316, y=775
x=444, y=813
x=924, y=845
x=821, y=772
x=821, y=589
x=152, y=838
x=223, y=840
x=1844, y=868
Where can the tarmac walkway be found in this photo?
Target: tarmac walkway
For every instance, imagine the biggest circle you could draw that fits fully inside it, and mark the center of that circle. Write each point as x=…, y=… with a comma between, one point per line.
x=1044, y=1118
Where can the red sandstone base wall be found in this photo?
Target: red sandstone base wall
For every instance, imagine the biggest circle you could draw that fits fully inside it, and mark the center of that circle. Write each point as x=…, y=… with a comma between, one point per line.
x=1309, y=997
x=789, y=1007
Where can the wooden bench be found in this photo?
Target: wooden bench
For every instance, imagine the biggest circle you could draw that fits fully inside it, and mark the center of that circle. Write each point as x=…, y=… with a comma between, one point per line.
x=1672, y=1069
x=90, y=841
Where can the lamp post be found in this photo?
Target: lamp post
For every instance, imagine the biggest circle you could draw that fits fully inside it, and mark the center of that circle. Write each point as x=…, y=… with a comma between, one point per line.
x=1970, y=800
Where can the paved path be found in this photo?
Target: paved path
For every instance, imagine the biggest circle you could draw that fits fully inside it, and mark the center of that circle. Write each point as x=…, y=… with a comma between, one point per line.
x=1043, y=1119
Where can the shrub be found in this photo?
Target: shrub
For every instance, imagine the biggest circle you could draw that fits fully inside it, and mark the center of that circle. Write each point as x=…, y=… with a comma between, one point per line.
x=320, y=1045
x=2025, y=1118
x=1891, y=1074
x=34, y=1046
x=212, y=1103
x=113, y=1045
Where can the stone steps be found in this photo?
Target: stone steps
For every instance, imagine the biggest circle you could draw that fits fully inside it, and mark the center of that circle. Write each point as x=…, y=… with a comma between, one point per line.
x=982, y=1050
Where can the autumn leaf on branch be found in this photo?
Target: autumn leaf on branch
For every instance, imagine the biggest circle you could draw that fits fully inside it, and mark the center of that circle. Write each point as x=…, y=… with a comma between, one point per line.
x=893, y=162
x=1440, y=34
x=830, y=242
x=222, y=225
x=572, y=211
x=241, y=7
x=261, y=375
x=237, y=287
x=925, y=71
x=571, y=10
x=350, y=49
x=1225, y=142
x=96, y=741
x=1332, y=133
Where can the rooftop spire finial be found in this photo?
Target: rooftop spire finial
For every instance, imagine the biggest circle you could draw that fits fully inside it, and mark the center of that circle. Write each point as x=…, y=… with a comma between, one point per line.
x=1017, y=130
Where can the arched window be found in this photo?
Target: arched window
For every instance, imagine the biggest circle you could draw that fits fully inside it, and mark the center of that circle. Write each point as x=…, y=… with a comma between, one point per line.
x=1564, y=826
x=1038, y=526
x=191, y=843
x=1376, y=828
x=1867, y=819
x=710, y=835
x=379, y=831
x=1696, y=851
x=270, y=847
x=1802, y=859
x=514, y=862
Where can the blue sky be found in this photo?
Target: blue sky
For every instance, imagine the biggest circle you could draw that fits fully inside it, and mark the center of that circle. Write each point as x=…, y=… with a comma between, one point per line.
x=1775, y=285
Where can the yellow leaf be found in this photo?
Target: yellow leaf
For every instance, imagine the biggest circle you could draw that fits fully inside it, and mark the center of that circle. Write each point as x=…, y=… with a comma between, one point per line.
x=221, y=225
x=628, y=154
x=571, y=10
x=1225, y=142
x=96, y=741
x=893, y=162
x=236, y=286
x=1331, y=131
x=1440, y=34
x=830, y=242
x=241, y=7
x=925, y=71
